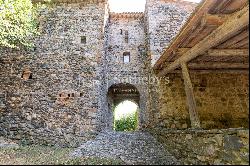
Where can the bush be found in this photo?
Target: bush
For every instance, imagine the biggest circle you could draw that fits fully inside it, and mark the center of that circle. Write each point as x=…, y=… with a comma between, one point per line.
x=128, y=123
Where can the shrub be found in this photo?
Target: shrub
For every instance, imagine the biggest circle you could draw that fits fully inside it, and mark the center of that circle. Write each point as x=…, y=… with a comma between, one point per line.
x=128, y=123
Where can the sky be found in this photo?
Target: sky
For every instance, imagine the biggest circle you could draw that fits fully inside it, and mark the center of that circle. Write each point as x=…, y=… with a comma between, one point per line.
x=119, y=6
x=124, y=109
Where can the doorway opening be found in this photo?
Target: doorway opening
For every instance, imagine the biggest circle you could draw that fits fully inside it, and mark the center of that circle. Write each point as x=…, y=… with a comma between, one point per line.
x=126, y=116
x=124, y=106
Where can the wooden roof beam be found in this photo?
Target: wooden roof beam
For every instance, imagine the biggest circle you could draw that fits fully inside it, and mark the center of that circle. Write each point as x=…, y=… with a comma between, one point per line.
x=193, y=21
x=219, y=52
x=233, y=25
x=214, y=19
x=218, y=65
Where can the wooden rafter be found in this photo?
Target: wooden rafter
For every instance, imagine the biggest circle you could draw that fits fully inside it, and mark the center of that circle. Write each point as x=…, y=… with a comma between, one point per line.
x=234, y=24
x=219, y=52
x=186, y=30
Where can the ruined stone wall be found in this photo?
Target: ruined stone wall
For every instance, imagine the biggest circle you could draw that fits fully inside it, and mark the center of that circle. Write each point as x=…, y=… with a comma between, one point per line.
x=222, y=101
x=165, y=18
x=206, y=147
x=130, y=25
x=60, y=102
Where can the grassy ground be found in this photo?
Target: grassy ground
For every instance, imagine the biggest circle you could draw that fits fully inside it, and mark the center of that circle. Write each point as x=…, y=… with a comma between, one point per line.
x=42, y=155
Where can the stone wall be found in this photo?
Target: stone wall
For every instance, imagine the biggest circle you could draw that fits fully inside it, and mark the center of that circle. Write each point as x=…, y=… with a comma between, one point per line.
x=120, y=27
x=60, y=102
x=206, y=147
x=222, y=101
x=164, y=20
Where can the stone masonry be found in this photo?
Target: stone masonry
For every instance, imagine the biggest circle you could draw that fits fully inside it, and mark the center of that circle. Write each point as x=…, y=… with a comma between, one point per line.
x=58, y=92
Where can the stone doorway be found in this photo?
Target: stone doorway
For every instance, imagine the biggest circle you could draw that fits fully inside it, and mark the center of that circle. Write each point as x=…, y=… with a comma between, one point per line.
x=119, y=93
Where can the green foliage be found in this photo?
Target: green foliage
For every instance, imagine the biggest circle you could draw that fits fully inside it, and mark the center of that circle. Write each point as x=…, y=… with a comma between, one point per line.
x=18, y=23
x=128, y=123
x=45, y=155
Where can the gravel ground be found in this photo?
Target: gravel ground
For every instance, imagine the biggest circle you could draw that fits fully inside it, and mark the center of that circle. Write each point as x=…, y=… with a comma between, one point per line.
x=133, y=148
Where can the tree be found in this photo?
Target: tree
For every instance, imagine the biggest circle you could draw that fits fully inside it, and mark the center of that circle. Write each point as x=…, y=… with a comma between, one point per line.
x=17, y=23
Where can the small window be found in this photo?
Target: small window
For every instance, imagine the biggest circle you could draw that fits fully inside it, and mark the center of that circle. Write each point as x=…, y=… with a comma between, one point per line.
x=126, y=36
x=121, y=31
x=83, y=39
x=81, y=94
x=126, y=57
x=26, y=75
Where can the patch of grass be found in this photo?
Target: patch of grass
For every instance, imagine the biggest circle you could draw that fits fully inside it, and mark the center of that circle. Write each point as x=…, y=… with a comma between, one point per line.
x=43, y=155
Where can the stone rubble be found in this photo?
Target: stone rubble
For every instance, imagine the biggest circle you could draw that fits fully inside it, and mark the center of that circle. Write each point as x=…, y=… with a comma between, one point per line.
x=130, y=147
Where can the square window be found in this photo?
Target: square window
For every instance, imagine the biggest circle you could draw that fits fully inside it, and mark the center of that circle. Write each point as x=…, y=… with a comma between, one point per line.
x=126, y=57
x=83, y=39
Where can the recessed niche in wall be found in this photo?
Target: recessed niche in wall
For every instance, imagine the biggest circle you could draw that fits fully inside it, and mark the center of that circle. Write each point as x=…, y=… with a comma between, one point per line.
x=65, y=98
x=126, y=36
x=83, y=39
x=121, y=31
x=81, y=94
x=27, y=74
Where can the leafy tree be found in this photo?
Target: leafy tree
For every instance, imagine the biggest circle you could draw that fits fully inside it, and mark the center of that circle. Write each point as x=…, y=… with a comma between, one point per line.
x=17, y=23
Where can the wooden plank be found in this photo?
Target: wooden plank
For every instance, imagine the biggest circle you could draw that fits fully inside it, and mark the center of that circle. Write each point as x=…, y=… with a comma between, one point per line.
x=207, y=71
x=240, y=43
x=202, y=9
x=201, y=36
x=222, y=4
x=194, y=118
x=214, y=19
x=228, y=52
x=218, y=65
x=235, y=39
x=219, y=52
x=234, y=6
x=233, y=25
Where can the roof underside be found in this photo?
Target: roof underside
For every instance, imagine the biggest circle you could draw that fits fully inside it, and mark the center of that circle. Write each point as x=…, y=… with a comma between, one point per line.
x=208, y=16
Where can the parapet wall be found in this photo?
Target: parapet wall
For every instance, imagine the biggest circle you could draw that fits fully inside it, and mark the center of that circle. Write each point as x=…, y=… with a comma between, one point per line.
x=206, y=147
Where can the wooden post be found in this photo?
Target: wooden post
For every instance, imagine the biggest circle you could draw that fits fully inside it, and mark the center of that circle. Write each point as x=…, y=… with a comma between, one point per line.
x=194, y=118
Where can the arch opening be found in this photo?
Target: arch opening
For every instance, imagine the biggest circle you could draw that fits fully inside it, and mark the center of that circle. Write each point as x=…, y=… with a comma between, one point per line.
x=124, y=107
x=126, y=116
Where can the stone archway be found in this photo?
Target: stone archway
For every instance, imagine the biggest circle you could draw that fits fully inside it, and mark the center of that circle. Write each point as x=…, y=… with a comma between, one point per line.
x=118, y=93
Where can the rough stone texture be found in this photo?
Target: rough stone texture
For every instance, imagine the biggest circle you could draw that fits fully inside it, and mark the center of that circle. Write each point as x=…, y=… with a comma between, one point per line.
x=222, y=101
x=4, y=143
x=207, y=147
x=60, y=104
x=164, y=20
x=133, y=148
x=134, y=72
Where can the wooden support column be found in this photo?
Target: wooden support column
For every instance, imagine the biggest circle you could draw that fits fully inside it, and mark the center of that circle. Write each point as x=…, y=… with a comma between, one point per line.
x=194, y=118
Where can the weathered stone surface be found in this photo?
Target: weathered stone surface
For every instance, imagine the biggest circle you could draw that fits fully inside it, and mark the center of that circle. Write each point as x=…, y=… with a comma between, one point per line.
x=165, y=19
x=213, y=113
x=205, y=146
x=4, y=143
x=132, y=148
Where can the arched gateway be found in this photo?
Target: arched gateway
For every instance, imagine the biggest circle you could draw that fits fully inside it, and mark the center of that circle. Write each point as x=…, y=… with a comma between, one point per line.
x=118, y=93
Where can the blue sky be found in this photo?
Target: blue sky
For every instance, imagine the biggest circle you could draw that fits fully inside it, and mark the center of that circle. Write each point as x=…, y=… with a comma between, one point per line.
x=130, y=5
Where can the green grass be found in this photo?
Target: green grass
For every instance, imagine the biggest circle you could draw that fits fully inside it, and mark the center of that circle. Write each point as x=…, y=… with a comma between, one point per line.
x=42, y=155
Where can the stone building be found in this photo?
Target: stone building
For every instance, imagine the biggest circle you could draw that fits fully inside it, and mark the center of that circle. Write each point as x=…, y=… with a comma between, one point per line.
x=87, y=60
